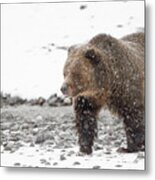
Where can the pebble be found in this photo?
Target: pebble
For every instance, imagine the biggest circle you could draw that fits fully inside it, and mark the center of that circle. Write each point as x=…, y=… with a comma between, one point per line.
x=32, y=144
x=55, y=163
x=76, y=163
x=17, y=164
x=118, y=165
x=83, y=7
x=42, y=136
x=25, y=126
x=39, y=118
x=43, y=161
x=98, y=147
x=62, y=157
x=67, y=101
x=9, y=146
x=15, y=128
x=96, y=167
x=35, y=131
x=141, y=155
x=5, y=126
x=70, y=153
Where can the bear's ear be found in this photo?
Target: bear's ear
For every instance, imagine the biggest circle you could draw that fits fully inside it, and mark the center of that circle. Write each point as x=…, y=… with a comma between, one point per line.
x=71, y=48
x=106, y=43
x=93, y=56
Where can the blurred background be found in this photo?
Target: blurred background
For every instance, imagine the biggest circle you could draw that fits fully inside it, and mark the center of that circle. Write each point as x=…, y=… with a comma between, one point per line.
x=34, y=38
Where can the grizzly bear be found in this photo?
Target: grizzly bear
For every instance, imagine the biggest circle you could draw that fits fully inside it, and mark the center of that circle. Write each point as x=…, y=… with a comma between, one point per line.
x=107, y=72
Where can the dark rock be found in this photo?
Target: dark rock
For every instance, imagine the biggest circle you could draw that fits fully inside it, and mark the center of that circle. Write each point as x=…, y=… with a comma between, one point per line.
x=52, y=44
x=62, y=48
x=140, y=155
x=119, y=25
x=17, y=164
x=25, y=126
x=62, y=157
x=70, y=153
x=43, y=161
x=7, y=99
x=5, y=126
x=39, y=101
x=55, y=163
x=32, y=144
x=52, y=100
x=16, y=100
x=9, y=146
x=76, y=163
x=82, y=7
x=96, y=167
x=42, y=137
x=15, y=128
x=97, y=147
x=118, y=165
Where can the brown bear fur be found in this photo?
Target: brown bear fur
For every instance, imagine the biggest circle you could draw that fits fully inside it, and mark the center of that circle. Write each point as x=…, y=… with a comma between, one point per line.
x=108, y=72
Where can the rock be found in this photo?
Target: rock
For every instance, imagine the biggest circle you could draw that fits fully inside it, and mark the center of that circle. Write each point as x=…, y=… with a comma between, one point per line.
x=70, y=153
x=25, y=126
x=68, y=146
x=35, y=131
x=52, y=100
x=118, y=165
x=140, y=155
x=32, y=144
x=55, y=163
x=67, y=101
x=15, y=128
x=119, y=25
x=16, y=100
x=43, y=161
x=62, y=157
x=39, y=118
x=76, y=163
x=82, y=7
x=39, y=101
x=9, y=146
x=63, y=150
x=17, y=164
x=117, y=143
x=43, y=136
x=96, y=167
x=47, y=163
x=5, y=126
x=97, y=147
x=14, y=138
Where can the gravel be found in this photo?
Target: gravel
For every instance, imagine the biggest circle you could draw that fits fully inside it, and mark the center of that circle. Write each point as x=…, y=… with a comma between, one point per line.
x=49, y=134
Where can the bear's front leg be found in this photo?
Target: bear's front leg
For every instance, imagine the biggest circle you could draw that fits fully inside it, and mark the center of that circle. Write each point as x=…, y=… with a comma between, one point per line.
x=86, y=110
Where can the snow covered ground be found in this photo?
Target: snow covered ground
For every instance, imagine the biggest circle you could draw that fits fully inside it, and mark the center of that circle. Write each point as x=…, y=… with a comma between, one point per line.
x=34, y=136
x=71, y=158
x=31, y=59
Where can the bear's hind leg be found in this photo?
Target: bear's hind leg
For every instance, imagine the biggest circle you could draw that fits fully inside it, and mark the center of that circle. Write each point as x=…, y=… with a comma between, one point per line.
x=135, y=139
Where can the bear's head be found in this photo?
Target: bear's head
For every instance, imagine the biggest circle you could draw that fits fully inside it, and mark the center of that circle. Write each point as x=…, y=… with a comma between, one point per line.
x=86, y=66
x=81, y=69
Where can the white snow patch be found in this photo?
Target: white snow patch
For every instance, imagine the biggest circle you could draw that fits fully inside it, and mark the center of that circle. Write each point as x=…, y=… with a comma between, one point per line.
x=39, y=157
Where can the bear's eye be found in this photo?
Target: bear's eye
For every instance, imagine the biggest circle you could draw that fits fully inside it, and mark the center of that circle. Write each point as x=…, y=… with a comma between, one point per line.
x=76, y=76
x=93, y=56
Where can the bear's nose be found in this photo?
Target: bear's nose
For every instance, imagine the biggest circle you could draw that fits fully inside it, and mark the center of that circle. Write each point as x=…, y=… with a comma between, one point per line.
x=64, y=89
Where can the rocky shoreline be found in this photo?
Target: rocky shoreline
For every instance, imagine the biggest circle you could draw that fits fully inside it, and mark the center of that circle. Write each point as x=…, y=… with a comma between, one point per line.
x=54, y=100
